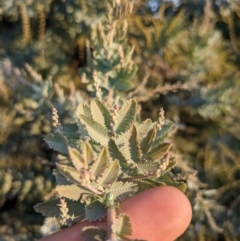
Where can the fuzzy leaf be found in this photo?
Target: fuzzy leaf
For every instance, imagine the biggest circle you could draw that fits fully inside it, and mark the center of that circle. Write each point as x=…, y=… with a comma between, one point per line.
x=76, y=158
x=87, y=153
x=96, y=131
x=167, y=127
x=100, y=113
x=95, y=211
x=49, y=208
x=71, y=192
x=125, y=116
x=70, y=131
x=116, y=154
x=122, y=226
x=69, y=172
x=145, y=184
x=168, y=181
x=100, y=164
x=92, y=233
x=171, y=165
x=122, y=190
x=132, y=149
x=57, y=142
x=83, y=110
x=61, y=180
x=110, y=174
x=75, y=208
x=148, y=140
x=147, y=168
x=158, y=151
x=143, y=128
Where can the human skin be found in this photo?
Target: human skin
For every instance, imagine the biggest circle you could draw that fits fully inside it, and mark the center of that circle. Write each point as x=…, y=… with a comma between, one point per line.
x=159, y=214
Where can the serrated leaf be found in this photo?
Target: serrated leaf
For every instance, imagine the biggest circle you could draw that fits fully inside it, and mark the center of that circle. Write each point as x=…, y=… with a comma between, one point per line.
x=100, y=113
x=92, y=233
x=110, y=174
x=180, y=185
x=168, y=181
x=57, y=142
x=148, y=140
x=95, y=211
x=122, y=190
x=75, y=208
x=171, y=165
x=132, y=149
x=115, y=153
x=145, y=184
x=49, y=208
x=158, y=151
x=147, y=168
x=61, y=180
x=143, y=128
x=96, y=131
x=166, y=128
x=125, y=116
x=76, y=158
x=69, y=172
x=122, y=226
x=87, y=152
x=119, y=139
x=83, y=110
x=70, y=131
x=71, y=192
x=100, y=164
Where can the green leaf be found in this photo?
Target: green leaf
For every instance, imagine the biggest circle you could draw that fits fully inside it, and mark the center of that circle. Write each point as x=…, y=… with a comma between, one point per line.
x=171, y=165
x=87, y=152
x=143, y=128
x=61, y=180
x=69, y=172
x=122, y=190
x=49, y=208
x=148, y=140
x=95, y=211
x=158, y=151
x=70, y=131
x=92, y=233
x=132, y=149
x=146, y=168
x=145, y=184
x=96, y=131
x=100, y=164
x=168, y=181
x=122, y=226
x=76, y=158
x=83, y=110
x=110, y=174
x=57, y=142
x=100, y=113
x=125, y=116
x=75, y=208
x=71, y=192
x=115, y=153
x=161, y=134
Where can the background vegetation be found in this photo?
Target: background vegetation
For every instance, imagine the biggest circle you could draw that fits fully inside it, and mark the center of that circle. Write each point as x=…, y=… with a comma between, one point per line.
x=186, y=59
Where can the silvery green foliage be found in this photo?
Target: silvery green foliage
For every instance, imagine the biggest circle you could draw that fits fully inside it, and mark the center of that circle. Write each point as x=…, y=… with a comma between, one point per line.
x=111, y=58
x=26, y=100
x=76, y=16
x=116, y=157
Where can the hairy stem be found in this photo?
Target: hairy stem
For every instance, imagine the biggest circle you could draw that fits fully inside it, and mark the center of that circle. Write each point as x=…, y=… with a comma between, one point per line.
x=111, y=216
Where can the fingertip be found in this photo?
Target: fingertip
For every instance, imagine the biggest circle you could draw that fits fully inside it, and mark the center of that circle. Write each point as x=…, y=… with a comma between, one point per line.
x=161, y=213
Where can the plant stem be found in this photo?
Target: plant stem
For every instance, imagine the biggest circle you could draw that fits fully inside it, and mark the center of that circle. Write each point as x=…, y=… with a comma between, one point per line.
x=111, y=216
